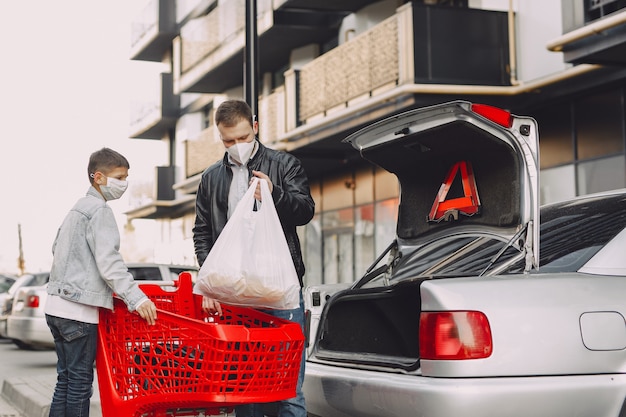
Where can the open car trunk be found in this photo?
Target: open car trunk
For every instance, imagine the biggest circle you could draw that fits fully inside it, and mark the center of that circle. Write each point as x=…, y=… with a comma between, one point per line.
x=468, y=204
x=373, y=327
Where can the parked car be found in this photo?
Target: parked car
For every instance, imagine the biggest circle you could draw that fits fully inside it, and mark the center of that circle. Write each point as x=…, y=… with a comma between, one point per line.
x=160, y=272
x=6, y=298
x=475, y=310
x=26, y=324
x=5, y=282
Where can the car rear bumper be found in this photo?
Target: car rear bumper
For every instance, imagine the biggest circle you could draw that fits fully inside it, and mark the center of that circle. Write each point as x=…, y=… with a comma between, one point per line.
x=3, y=327
x=29, y=330
x=341, y=392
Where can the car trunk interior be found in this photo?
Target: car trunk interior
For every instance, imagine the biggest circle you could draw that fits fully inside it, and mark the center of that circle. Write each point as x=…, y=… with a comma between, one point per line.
x=373, y=327
x=422, y=160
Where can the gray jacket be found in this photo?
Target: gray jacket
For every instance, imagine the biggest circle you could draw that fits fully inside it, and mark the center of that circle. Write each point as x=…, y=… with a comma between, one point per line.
x=87, y=266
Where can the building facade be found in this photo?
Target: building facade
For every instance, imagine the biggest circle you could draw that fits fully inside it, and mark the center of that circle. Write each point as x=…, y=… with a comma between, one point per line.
x=328, y=67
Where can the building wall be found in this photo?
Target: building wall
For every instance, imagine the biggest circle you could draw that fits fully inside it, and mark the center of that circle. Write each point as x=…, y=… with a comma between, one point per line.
x=582, y=139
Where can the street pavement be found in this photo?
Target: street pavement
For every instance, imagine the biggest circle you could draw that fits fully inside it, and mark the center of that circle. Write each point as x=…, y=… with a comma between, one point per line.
x=31, y=396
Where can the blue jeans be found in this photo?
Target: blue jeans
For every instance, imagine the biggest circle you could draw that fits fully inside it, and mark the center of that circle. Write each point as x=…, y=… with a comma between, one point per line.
x=75, y=344
x=292, y=407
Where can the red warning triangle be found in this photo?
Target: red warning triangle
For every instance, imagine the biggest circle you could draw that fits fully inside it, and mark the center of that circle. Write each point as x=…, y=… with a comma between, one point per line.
x=468, y=205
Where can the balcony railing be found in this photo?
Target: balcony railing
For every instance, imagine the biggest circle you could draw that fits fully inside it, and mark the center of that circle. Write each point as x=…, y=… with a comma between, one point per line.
x=152, y=31
x=351, y=70
x=202, y=36
x=202, y=151
x=272, y=113
x=152, y=119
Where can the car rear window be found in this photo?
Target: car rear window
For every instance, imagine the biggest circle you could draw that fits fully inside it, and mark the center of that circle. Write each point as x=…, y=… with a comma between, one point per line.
x=175, y=272
x=571, y=233
x=5, y=283
x=453, y=256
x=146, y=273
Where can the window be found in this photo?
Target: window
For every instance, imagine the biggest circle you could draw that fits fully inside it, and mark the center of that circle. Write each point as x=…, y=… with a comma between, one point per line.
x=311, y=239
x=555, y=136
x=601, y=175
x=571, y=234
x=582, y=154
x=599, y=121
x=386, y=218
x=557, y=184
x=364, y=250
x=338, y=232
x=148, y=273
x=597, y=9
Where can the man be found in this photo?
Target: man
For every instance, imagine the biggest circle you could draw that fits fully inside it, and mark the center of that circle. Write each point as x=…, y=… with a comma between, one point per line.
x=221, y=187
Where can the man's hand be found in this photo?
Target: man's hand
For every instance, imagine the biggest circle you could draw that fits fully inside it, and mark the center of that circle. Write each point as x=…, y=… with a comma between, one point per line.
x=147, y=311
x=262, y=176
x=211, y=306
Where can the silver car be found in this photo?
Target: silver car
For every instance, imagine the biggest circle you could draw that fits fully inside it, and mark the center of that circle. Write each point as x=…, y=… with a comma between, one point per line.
x=26, y=323
x=484, y=305
x=6, y=298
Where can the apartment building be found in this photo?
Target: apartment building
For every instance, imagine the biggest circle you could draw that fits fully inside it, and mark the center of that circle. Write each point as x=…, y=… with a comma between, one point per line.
x=329, y=67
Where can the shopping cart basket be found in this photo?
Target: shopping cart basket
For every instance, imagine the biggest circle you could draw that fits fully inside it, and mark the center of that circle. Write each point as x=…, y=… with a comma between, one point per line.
x=190, y=363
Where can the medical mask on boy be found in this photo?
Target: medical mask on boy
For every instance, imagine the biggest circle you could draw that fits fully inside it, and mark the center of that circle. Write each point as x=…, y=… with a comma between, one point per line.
x=241, y=151
x=114, y=188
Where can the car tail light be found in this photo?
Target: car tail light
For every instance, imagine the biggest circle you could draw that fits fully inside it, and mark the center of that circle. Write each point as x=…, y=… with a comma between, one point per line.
x=496, y=115
x=32, y=301
x=454, y=335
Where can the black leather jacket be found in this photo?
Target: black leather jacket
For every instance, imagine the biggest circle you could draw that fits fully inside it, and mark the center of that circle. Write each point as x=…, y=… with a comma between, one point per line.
x=291, y=194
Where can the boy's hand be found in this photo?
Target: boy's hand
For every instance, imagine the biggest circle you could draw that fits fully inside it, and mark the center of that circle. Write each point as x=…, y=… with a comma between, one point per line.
x=147, y=311
x=211, y=306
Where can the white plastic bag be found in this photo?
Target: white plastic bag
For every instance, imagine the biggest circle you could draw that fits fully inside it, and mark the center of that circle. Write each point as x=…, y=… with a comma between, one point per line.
x=250, y=263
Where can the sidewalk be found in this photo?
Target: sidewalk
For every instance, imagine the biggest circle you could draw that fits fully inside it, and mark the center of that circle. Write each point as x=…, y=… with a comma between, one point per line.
x=31, y=396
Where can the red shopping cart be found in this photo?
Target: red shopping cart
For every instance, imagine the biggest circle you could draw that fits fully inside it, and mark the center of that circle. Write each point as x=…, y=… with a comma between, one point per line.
x=190, y=363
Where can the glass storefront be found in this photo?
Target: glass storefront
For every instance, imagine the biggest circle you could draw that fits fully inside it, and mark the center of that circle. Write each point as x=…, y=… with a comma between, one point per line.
x=582, y=146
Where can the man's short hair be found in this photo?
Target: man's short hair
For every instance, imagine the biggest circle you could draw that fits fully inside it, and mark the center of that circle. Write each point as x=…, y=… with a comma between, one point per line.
x=105, y=160
x=231, y=112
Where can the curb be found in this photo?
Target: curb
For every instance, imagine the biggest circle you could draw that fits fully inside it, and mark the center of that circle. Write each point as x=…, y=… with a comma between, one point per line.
x=30, y=397
x=7, y=409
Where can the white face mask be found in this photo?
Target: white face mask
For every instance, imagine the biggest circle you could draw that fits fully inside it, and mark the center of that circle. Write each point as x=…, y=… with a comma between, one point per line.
x=241, y=151
x=114, y=188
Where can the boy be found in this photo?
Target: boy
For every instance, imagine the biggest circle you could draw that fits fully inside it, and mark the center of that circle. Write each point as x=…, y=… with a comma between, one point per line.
x=87, y=269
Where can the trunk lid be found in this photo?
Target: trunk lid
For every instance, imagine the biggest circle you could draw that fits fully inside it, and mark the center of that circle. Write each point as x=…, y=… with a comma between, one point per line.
x=462, y=168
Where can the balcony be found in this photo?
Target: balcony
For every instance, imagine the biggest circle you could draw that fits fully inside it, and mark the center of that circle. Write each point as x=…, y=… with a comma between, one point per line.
x=153, y=30
x=413, y=46
x=594, y=32
x=211, y=47
x=202, y=151
x=161, y=201
x=377, y=73
x=382, y=71
x=153, y=119
x=327, y=5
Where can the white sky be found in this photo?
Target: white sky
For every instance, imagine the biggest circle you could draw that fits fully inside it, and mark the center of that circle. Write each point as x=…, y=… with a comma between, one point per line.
x=66, y=81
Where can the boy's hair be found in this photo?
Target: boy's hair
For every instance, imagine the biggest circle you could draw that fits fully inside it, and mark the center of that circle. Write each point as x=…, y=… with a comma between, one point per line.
x=231, y=112
x=105, y=160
